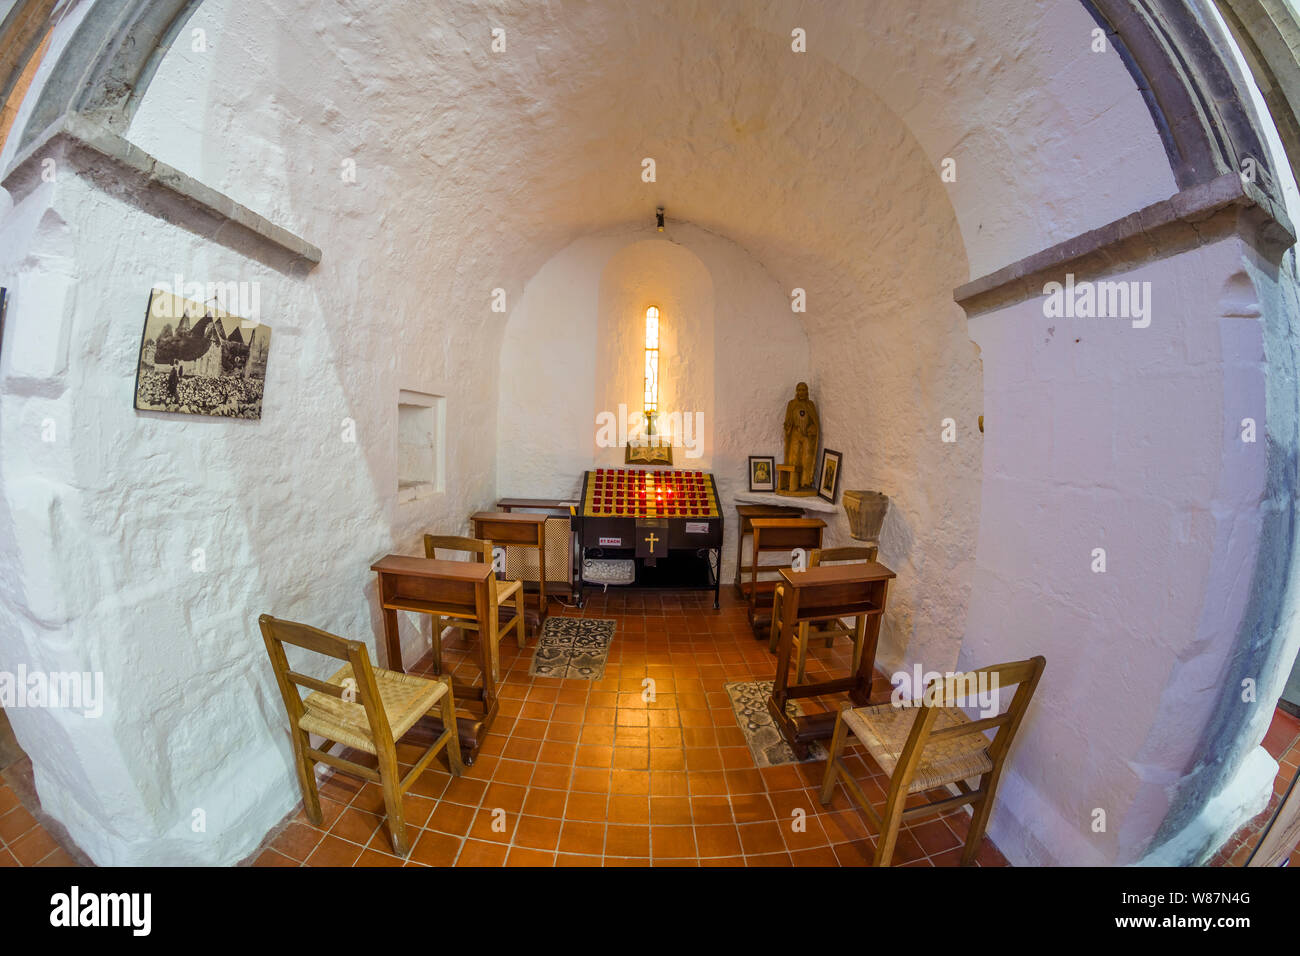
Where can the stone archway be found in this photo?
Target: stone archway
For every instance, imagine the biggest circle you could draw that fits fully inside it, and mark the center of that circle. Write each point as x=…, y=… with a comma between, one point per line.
x=1195, y=94
x=1194, y=91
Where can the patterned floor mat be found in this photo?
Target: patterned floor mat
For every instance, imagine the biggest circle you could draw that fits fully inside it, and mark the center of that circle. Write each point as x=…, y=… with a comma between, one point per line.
x=573, y=647
x=749, y=701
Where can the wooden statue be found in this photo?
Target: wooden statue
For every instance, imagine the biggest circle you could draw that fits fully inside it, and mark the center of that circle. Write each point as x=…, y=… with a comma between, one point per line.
x=802, y=431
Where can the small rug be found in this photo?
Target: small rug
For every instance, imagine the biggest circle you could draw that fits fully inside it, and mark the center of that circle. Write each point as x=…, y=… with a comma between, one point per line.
x=573, y=647
x=749, y=701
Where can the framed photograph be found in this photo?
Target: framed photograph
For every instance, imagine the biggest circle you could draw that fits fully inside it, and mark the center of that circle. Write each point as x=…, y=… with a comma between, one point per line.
x=200, y=360
x=762, y=473
x=828, y=475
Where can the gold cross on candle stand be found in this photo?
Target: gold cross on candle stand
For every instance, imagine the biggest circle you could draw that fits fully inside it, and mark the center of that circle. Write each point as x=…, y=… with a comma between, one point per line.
x=652, y=540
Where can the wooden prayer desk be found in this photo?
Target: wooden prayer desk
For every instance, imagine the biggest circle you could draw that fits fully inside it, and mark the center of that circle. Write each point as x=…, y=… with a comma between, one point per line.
x=560, y=511
x=444, y=589
x=507, y=529
x=745, y=514
x=826, y=593
x=776, y=534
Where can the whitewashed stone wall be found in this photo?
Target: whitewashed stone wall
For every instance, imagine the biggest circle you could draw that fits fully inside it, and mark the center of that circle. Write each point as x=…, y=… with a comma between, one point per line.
x=1104, y=436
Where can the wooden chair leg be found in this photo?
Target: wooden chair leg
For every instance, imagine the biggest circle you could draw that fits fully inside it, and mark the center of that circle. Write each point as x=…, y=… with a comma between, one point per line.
x=980, y=812
x=490, y=633
x=775, y=632
x=389, y=778
x=859, y=638
x=832, y=760
x=521, y=637
x=801, y=660
x=436, y=643
x=449, y=729
x=890, y=822
x=306, y=777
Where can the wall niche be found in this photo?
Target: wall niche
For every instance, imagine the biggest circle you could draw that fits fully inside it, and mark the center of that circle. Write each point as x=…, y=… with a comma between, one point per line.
x=421, y=423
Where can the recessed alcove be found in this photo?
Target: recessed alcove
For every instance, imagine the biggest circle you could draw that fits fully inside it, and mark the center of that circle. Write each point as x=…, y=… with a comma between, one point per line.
x=421, y=460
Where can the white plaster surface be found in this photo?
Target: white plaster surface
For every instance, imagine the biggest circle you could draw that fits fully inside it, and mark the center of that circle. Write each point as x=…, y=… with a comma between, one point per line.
x=1101, y=435
x=521, y=171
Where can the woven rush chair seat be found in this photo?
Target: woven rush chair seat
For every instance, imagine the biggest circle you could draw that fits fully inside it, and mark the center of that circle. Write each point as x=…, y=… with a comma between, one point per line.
x=884, y=729
x=405, y=699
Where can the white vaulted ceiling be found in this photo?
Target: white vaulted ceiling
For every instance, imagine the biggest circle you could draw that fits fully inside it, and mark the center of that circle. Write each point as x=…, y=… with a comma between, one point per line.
x=490, y=162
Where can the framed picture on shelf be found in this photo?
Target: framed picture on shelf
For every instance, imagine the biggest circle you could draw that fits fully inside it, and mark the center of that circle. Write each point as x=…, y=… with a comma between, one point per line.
x=762, y=473
x=828, y=475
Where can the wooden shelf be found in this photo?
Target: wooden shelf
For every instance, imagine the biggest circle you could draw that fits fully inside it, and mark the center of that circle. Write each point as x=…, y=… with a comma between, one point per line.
x=834, y=611
x=423, y=607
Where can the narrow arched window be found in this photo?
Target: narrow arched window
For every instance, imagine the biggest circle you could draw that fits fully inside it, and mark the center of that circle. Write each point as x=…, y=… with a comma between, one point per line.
x=651, y=397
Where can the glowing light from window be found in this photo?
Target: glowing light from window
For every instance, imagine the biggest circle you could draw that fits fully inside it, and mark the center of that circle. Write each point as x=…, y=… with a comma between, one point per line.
x=651, y=397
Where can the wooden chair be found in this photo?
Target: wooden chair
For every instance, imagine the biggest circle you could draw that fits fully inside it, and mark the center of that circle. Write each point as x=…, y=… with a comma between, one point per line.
x=933, y=744
x=367, y=708
x=501, y=592
x=827, y=629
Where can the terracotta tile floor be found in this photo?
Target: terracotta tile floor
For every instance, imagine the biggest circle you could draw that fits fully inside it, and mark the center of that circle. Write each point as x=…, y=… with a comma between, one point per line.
x=586, y=773
x=1283, y=744
x=29, y=837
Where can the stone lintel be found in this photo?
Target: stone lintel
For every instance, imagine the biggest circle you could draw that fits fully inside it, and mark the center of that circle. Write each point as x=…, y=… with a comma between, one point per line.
x=1190, y=218
x=118, y=166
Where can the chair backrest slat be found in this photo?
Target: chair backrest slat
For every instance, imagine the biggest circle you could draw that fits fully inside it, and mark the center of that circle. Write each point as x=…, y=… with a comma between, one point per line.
x=306, y=636
x=972, y=727
x=819, y=556
x=479, y=548
x=334, y=690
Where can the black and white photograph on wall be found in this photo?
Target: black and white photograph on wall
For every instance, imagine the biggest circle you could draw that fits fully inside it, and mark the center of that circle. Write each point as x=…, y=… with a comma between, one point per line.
x=828, y=475
x=198, y=359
